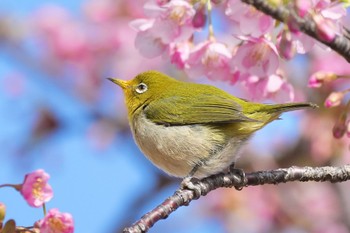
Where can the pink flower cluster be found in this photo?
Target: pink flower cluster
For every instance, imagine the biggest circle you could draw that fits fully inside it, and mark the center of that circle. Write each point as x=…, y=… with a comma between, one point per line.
x=330, y=71
x=342, y=125
x=56, y=222
x=37, y=191
x=253, y=54
x=326, y=14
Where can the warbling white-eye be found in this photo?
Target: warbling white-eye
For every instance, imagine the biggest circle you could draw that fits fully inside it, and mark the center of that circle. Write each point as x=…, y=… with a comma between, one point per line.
x=192, y=130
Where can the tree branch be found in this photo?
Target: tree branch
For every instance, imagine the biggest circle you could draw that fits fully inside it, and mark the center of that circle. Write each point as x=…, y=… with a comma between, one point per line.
x=183, y=196
x=320, y=174
x=340, y=44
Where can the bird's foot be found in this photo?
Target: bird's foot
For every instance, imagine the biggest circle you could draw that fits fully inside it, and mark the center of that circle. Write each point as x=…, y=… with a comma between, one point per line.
x=241, y=174
x=190, y=183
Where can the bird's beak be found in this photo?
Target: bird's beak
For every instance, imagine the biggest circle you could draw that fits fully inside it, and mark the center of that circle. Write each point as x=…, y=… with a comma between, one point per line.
x=122, y=83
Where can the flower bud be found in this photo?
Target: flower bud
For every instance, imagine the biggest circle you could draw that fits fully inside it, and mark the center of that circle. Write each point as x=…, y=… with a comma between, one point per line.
x=319, y=78
x=2, y=212
x=340, y=128
x=57, y=222
x=324, y=28
x=286, y=47
x=199, y=19
x=334, y=99
x=293, y=26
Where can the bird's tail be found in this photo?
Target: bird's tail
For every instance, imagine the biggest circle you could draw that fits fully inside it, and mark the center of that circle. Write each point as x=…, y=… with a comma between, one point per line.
x=272, y=112
x=264, y=114
x=279, y=108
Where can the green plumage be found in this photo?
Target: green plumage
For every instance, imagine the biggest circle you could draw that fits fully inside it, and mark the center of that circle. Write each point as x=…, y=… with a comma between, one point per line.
x=192, y=129
x=205, y=109
x=181, y=103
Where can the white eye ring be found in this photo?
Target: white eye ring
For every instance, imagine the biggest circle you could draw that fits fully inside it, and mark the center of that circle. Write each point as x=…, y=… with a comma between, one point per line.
x=141, y=88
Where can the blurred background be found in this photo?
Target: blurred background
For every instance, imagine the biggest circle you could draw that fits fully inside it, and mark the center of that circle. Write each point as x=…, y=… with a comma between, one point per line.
x=59, y=113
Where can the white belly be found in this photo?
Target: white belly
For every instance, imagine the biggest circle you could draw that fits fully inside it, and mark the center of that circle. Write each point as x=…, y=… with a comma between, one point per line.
x=177, y=149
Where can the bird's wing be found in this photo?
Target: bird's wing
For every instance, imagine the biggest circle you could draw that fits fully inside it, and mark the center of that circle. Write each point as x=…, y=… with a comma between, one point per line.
x=203, y=109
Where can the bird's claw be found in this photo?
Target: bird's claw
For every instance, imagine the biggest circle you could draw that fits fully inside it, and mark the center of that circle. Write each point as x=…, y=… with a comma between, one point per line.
x=241, y=174
x=190, y=183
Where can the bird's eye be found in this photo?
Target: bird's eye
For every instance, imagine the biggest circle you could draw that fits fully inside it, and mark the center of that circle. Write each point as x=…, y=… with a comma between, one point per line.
x=141, y=88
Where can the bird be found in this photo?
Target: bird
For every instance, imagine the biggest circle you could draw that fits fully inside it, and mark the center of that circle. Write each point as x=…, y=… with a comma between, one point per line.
x=192, y=130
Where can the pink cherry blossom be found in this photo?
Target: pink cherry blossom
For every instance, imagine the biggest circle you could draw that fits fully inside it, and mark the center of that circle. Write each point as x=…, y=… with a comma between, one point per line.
x=173, y=21
x=328, y=9
x=179, y=54
x=35, y=188
x=300, y=41
x=319, y=78
x=147, y=41
x=327, y=15
x=56, y=222
x=179, y=11
x=169, y=32
x=257, y=56
x=169, y=23
x=334, y=99
x=271, y=87
x=251, y=21
x=303, y=43
x=331, y=9
x=211, y=59
x=325, y=29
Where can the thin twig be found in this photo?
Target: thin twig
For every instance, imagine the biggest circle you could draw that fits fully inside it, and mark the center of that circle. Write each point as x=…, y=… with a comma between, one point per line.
x=183, y=197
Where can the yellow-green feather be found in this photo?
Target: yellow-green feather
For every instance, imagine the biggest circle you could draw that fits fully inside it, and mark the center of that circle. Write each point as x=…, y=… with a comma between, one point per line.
x=181, y=125
x=172, y=102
